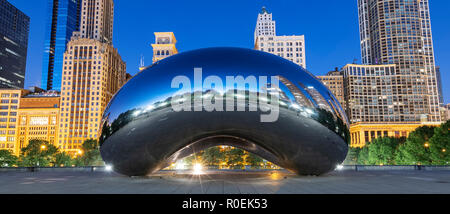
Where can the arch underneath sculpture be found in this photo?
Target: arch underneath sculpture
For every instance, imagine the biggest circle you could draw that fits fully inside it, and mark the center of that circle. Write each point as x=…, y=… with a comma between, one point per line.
x=223, y=140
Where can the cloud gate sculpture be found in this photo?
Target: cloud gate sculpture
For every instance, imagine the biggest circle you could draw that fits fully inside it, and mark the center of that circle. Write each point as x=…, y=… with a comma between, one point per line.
x=238, y=97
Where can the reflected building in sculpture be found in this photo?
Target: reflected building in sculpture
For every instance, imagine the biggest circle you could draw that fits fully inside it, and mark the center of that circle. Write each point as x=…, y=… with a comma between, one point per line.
x=298, y=94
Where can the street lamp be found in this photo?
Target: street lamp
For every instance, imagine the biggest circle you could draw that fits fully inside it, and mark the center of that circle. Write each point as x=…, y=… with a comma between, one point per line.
x=426, y=145
x=43, y=147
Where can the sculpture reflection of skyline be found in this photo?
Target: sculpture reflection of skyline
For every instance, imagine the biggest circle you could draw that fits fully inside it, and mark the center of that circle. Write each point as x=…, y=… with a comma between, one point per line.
x=143, y=132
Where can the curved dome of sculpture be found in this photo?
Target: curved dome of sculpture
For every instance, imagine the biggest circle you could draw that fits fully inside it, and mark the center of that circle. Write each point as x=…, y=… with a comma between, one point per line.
x=224, y=96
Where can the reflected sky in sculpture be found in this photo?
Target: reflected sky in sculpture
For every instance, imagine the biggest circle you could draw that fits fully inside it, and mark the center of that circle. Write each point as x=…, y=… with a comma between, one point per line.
x=142, y=133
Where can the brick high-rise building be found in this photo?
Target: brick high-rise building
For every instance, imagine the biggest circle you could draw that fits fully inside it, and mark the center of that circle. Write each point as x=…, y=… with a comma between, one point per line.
x=399, y=32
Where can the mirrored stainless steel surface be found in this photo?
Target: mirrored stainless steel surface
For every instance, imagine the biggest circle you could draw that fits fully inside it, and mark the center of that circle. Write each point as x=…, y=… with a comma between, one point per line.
x=141, y=132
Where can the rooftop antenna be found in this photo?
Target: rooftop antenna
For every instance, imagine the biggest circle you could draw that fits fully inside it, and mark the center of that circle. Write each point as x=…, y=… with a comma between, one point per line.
x=142, y=63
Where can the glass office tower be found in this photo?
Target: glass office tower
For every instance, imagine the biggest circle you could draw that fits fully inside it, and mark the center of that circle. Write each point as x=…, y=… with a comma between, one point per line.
x=63, y=19
x=14, y=30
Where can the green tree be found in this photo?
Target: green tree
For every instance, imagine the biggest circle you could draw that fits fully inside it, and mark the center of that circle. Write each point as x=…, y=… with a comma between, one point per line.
x=254, y=160
x=38, y=153
x=382, y=151
x=192, y=159
x=235, y=158
x=213, y=156
x=90, y=153
x=352, y=156
x=63, y=159
x=78, y=161
x=363, y=156
x=7, y=158
x=440, y=145
x=416, y=149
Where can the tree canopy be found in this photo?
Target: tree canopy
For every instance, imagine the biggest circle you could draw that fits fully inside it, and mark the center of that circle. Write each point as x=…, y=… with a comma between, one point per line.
x=38, y=153
x=7, y=158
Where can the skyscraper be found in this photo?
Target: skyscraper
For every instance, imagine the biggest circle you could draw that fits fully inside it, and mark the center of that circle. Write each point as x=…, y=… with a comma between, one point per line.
x=265, y=25
x=439, y=82
x=97, y=20
x=289, y=47
x=93, y=72
x=63, y=19
x=165, y=45
x=399, y=32
x=14, y=30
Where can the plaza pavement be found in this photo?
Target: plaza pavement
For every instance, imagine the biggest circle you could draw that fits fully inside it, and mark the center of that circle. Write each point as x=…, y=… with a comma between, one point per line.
x=220, y=182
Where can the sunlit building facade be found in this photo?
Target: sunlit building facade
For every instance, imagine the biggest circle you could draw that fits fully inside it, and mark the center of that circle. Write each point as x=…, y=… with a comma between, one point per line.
x=165, y=45
x=334, y=80
x=26, y=116
x=97, y=20
x=445, y=112
x=38, y=119
x=63, y=19
x=289, y=47
x=93, y=72
x=9, y=114
x=14, y=30
x=363, y=133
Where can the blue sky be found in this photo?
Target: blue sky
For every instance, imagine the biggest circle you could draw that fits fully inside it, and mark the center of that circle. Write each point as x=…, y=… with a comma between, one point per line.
x=330, y=28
